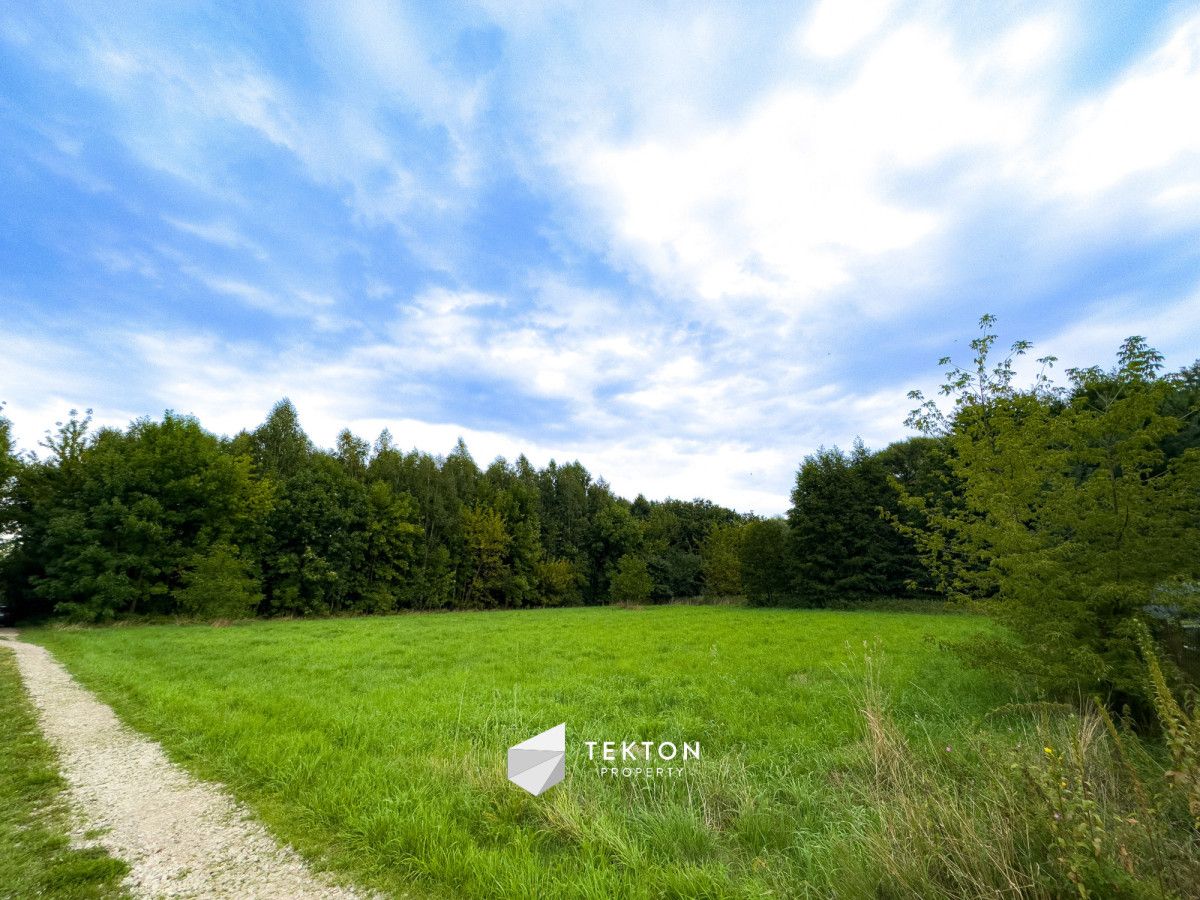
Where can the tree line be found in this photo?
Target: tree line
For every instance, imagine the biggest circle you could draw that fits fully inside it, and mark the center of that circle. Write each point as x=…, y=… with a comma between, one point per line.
x=1068, y=511
x=165, y=518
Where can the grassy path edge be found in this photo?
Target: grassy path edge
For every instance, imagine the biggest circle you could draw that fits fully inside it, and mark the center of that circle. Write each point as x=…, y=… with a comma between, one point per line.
x=177, y=836
x=41, y=855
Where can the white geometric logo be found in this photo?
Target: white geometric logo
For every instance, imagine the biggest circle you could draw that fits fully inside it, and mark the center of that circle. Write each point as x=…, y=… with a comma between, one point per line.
x=539, y=763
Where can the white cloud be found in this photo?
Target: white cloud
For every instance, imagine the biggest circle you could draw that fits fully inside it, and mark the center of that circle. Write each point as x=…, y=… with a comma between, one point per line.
x=180, y=108
x=788, y=202
x=221, y=233
x=278, y=301
x=443, y=334
x=375, y=47
x=1173, y=329
x=837, y=27
x=45, y=376
x=1144, y=127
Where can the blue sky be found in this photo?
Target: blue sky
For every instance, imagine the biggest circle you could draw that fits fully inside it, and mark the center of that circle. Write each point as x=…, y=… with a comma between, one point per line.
x=686, y=244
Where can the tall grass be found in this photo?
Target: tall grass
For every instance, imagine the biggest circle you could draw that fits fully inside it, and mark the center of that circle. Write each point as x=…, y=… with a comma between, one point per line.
x=1074, y=805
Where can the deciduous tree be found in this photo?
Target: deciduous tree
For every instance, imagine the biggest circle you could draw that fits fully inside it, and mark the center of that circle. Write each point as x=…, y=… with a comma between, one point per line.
x=1072, y=517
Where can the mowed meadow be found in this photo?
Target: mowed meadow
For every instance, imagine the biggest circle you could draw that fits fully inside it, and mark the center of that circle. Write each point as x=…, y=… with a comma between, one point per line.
x=378, y=746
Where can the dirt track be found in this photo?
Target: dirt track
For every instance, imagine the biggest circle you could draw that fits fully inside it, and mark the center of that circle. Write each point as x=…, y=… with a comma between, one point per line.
x=180, y=836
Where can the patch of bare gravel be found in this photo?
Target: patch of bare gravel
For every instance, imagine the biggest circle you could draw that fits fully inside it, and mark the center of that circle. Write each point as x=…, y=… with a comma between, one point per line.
x=180, y=836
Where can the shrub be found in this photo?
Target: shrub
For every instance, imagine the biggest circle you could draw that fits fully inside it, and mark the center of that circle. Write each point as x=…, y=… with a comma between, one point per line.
x=219, y=585
x=631, y=582
x=559, y=581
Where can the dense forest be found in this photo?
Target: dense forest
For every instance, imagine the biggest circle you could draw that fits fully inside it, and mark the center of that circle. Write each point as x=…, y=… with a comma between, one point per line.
x=165, y=518
x=1066, y=510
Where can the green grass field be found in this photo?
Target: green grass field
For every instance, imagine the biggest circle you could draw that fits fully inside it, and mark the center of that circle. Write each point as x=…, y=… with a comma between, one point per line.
x=378, y=746
x=36, y=856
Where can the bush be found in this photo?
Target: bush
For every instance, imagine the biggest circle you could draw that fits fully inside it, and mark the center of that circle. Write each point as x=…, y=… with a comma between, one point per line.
x=559, y=581
x=631, y=582
x=219, y=584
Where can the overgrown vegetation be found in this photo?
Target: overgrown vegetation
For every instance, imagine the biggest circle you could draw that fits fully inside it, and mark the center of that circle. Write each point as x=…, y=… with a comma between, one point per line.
x=36, y=856
x=1065, y=511
x=1068, y=803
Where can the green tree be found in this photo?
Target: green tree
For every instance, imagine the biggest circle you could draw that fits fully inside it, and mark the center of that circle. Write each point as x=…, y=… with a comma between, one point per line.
x=280, y=446
x=674, y=533
x=1072, y=516
x=513, y=493
x=1183, y=403
x=219, y=584
x=308, y=562
x=107, y=523
x=10, y=465
x=418, y=475
x=919, y=471
x=630, y=580
x=387, y=550
x=34, y=515
x=487, y=543
x=766, y=574
x=613, y=534
x=353, y=453
x=8, y=458
x=565, y=516
x=843, y=547
x=722, y=560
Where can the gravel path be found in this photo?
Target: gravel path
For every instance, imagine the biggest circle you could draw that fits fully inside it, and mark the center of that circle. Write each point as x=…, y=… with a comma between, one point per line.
x=181, y=837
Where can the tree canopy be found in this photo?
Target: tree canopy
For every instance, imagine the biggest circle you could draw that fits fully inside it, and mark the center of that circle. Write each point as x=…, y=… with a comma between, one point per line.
x=1074, y=508
x=164, y=518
